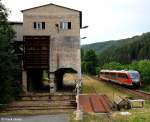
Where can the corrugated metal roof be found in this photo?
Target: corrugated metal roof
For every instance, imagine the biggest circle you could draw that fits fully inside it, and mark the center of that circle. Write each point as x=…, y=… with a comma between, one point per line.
x=95, y=103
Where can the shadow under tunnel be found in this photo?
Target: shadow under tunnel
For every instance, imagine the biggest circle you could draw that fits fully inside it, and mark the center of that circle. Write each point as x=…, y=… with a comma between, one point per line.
x=35, y=81
x=59, y=79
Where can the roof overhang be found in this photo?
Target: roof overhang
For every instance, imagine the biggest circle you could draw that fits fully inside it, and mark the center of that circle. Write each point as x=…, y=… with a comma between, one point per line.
x=15, y=23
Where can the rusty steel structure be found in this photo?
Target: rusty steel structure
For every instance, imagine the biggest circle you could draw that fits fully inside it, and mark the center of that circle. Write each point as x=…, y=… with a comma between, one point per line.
x=36, y=54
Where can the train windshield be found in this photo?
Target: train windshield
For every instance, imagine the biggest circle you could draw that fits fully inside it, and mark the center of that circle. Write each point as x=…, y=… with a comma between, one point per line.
x=134, y=76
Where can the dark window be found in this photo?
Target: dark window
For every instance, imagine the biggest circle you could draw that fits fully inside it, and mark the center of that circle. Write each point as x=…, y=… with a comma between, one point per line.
x=34, y=25
x=123, y=76
x=43, y=25
x=39, y=25
x=102, y=73
x=69, y=25
x=106, y=73
x=113, y=75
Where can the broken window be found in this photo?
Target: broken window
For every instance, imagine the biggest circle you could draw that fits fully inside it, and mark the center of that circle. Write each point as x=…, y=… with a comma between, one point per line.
x=39, y=25
x=65, y=25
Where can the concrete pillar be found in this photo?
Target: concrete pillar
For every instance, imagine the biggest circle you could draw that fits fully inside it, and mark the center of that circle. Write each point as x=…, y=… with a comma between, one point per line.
x=24, y=80
x=79, y=67
x=52, y=83
x=78, y=64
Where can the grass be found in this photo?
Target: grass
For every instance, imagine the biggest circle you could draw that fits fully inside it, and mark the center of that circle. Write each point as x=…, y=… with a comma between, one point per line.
x=69, y=78
x=146, y=88
x=101, y=88
x=115, y=117
x=87, y=117
x=137, y=115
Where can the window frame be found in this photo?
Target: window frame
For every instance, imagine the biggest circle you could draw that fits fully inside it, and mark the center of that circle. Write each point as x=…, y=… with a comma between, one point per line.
x=39, y=25
x=65, y=25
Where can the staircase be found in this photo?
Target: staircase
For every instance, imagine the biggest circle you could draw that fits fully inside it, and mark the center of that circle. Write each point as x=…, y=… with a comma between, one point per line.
x=42, y=103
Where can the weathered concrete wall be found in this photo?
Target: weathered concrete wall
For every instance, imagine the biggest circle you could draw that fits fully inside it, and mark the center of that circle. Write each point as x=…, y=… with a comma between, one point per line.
x=64, y=44
x=50, y=24
x=65, y=53
x=18, y=27
x=51, y=15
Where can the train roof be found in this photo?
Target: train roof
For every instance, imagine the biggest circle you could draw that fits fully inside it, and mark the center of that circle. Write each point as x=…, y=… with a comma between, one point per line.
x=120, y=71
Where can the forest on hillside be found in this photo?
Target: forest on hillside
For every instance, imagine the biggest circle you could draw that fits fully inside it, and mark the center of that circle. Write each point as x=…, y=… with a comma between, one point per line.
x=124, y=51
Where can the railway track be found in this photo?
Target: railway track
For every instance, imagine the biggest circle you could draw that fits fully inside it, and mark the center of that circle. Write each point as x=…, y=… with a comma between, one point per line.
x=137, y=93
x=145, y=95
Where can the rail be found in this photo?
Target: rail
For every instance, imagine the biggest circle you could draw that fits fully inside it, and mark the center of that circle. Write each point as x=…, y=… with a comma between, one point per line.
x=138, y=93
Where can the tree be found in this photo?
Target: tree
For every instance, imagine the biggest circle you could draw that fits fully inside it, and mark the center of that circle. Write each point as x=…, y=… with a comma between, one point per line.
x=82, y=54
x=8, y=60
x=90, y=62
x=113, y=66
x=144, y=68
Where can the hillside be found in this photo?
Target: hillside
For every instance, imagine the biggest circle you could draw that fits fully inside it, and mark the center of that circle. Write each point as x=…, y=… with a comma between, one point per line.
x=99, y=46
x=124, y=50
x=102, y=46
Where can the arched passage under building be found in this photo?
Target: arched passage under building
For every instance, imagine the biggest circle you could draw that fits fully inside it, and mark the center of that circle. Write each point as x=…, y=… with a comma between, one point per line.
x=59, y=78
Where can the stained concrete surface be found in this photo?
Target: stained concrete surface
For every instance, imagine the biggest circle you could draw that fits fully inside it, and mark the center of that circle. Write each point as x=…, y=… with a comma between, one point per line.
x=36, y=118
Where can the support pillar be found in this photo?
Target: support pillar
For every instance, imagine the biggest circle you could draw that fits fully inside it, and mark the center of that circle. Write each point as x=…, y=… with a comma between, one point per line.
x=24, y=80
x=52, y=83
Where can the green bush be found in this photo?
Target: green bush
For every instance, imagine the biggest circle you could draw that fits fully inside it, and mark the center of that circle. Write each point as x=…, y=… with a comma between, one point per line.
x=89, y=62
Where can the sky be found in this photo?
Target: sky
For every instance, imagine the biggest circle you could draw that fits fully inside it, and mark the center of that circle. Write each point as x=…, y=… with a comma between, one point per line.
x=107, y=19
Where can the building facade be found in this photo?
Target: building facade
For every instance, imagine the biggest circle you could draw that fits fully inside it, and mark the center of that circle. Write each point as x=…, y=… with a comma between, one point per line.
x=51, y=36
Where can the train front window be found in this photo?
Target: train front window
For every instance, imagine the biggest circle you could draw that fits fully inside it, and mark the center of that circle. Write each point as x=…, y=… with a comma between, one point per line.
x=134, y=76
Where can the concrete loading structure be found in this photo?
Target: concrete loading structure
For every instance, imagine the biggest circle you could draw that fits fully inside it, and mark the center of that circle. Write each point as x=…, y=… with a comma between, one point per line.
x=51, y=37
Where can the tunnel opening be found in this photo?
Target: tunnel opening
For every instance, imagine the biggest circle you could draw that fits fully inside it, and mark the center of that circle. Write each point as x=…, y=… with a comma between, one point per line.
x=63, y=74
x=35, y=81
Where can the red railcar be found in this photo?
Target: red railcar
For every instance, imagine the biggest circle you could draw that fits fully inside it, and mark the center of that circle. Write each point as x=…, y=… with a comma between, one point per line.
x=129, y=78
